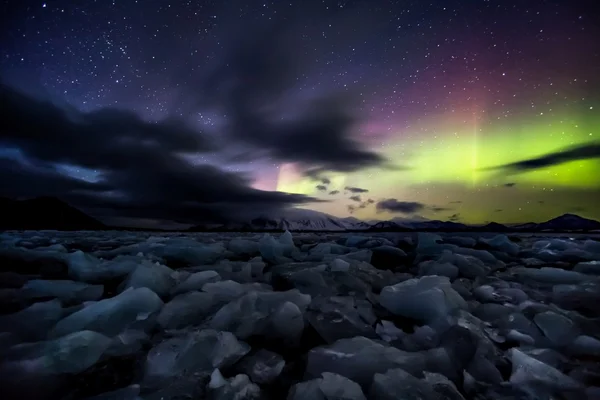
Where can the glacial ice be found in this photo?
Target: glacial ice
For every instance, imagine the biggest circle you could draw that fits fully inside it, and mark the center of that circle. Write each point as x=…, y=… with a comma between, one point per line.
x=328, y=387
x=423, y=299
x=193, y=353
x=132, y=309
x=263, y=367
x=187, y=309
x=66, y=291
x=360, y=358
x=398, y=384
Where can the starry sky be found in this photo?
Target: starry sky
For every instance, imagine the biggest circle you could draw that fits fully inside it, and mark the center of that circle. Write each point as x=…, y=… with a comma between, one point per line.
x=166, y=111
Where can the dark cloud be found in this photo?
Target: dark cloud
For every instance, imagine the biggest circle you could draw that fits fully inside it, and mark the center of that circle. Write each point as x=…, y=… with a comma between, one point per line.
x=454, y=217
x=334, y=192
x=393, y=205
x=455, y=202
x=581, y=152
x=439, y=209
x=355, y=189
x=541, y=202
x=251, y=86
x=322, y=188
x=325, y=181
x=351, y=208
x=356, y=198
x=141, y=169
x=370, y=201
x=510, y=184
x=498, y=210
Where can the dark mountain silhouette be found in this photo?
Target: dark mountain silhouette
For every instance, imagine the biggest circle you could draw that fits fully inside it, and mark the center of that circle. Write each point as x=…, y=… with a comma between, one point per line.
x=44, y=213
x=569, y=222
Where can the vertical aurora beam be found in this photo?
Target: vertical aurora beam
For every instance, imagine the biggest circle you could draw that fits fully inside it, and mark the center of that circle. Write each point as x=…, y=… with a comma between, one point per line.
x=474, y=152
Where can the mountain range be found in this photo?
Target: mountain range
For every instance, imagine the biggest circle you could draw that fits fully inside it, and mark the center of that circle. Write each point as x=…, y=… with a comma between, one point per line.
x=52, y=213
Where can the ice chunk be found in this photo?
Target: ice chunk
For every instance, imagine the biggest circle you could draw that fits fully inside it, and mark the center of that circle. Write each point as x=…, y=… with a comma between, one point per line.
x=356, y=241
x=588, y=267
x=34, y=322
x=550, y=275
x=399, y=384
x=155, y=277
x=334, y=320
x=131, y=309
x=527, y=370
x=437, y=268
x=558, y=328
x=187, y=309
x=468, y=265
x=273, y=250
x=196, y=352
x=190, y=252
x=443, y=386
x=585, y=346
x=359, y=359
x=423, y=299
x=71, y=354
x=286, y=324
x=328, y=387
x=236, y=388
x=127, y=393
x=127, y=342
x=196, y=281
x=502, y=243
x=339, y=265
x=387, y=257
x=243, y=246
x=388, y=331
x=230, y=290
x=87, y=268
x=263, y=367
x=251, y=314
x=68, y=291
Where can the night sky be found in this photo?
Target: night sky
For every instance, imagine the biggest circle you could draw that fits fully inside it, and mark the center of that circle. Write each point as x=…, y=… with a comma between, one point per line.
x=147, y=111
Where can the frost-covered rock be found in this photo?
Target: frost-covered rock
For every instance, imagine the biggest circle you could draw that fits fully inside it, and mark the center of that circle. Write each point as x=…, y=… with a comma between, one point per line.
x=187, y=309
x=67, y=291
x=263, y=367
x=359, y=359
x=197, y=352
x=132, y=309
x=424, y=299
x=329, y=387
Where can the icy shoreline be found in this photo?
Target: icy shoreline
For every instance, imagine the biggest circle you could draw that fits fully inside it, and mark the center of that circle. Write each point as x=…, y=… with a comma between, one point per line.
x=147, y=315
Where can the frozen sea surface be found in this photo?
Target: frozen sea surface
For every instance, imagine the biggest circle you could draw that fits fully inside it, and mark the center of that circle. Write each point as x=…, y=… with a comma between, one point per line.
x=146, y=315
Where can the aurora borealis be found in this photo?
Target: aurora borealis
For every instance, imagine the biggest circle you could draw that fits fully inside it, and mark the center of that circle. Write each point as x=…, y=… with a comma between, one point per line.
x=195, y=110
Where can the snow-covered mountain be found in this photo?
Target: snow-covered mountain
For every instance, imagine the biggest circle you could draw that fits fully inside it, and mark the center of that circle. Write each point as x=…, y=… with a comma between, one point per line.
x=293, y=219
x=296, y=219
